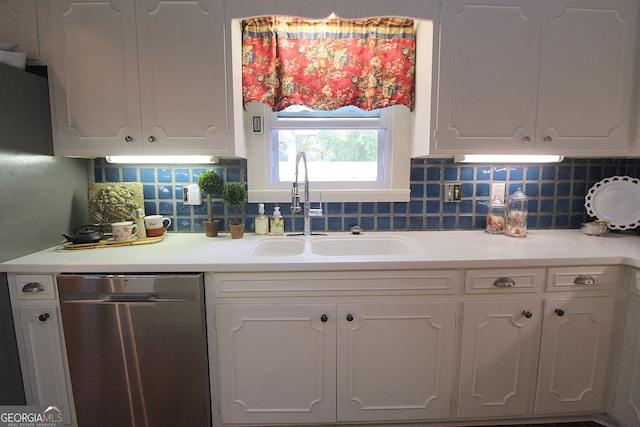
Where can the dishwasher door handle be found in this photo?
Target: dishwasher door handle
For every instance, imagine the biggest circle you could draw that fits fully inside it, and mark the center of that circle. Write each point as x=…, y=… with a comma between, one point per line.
x=110, y=298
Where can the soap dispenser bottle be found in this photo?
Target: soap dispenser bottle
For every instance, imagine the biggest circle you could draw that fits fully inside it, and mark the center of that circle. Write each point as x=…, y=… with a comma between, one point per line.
x=262, y=222
x=277, y=222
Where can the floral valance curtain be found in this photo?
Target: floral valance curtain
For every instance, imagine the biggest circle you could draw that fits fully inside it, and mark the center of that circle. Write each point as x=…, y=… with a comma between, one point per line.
x=328, y=64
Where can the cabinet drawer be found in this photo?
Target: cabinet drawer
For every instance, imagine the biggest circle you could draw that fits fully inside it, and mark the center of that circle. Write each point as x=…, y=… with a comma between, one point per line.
x=582, y=278
x=504, y=281
x=35, y=287
x=405, y=282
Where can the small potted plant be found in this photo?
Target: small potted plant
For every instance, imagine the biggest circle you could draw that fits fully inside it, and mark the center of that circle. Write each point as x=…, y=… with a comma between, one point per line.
x=235, y=195
x=210, y=182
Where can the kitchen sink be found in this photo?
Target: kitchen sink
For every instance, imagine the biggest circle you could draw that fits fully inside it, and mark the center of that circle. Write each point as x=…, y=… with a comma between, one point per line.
x=362, y=246
x=279, y=246
x=334, y=246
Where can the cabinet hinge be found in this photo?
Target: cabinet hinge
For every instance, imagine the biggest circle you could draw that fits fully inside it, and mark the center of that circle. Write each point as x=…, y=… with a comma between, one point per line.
x=459, y=318
x=454, y=403
x=435, y=135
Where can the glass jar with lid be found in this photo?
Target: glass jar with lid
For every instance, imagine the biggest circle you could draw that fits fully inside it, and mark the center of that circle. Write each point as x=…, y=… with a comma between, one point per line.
x=517, y=213
x=495, y=217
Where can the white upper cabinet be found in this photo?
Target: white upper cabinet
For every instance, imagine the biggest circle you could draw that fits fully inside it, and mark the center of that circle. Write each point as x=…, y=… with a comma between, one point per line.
x=489, y=56
x=143, y=77
x=19, y=23
x=536, y=77
x=586, y=76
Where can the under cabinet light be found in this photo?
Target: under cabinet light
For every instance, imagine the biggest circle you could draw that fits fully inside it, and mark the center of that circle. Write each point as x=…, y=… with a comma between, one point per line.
x=162, y=159
x=507, y=158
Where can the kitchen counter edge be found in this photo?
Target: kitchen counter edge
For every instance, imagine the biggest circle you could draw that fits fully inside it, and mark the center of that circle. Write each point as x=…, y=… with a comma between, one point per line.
x=194, y=252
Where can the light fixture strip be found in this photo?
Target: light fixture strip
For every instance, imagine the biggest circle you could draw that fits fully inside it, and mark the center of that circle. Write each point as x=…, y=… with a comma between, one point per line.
x=161, y=160
x=507, y=158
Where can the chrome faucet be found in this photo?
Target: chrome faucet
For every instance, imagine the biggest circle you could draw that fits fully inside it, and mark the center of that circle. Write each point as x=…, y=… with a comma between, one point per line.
x=295, y=196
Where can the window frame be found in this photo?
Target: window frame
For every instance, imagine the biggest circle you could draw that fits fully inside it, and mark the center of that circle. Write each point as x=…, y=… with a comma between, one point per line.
x=259, y=159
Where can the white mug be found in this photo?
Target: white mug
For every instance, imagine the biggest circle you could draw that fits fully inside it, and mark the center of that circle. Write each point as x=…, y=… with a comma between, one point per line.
x=125, y=230
x=156, y=225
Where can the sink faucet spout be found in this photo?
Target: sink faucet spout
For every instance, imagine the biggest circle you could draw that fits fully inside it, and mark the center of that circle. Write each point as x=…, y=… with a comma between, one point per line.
x=295, y=195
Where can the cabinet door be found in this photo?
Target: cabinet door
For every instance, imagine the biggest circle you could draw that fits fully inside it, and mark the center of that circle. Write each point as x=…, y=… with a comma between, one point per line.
x=94, y=77
x=43, y=361
x=497, y=365
x=18, y=23
x=277, y=363
x=488, y=85
x=574, y=353
x=627, y=401
x=395, y=361
x=182, y=71
x=586, y=77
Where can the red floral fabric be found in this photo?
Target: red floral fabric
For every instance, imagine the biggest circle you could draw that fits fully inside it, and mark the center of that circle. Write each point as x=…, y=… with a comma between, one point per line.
x=328, y=64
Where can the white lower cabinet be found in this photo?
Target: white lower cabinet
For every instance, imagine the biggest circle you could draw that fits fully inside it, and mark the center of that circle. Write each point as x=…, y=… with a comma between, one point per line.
x=394, y=361
x=277, y=363
x=626, y=407
x=574, y=355
x=39, y=331
x=497, y=365
x=310, y=363
x=38, y=326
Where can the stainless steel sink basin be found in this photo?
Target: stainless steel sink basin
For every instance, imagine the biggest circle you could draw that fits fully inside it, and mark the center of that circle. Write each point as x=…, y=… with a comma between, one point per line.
x=278, y=246
x=362, y=246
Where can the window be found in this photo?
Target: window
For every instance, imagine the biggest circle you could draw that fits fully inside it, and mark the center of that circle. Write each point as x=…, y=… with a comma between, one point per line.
x=380, y=175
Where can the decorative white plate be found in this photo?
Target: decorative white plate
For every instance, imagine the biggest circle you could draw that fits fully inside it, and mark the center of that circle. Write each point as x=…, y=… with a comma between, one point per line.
x=615, y=199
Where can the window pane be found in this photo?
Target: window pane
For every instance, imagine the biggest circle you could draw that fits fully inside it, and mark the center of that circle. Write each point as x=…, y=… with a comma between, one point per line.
x=332, y=154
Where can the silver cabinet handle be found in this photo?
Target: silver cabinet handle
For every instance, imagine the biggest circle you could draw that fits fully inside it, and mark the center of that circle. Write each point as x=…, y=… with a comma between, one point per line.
x=526, y=140
x=151, y=139
x=128, y=138
x=504, y=282
x=547, y=139
x=33, y=287
x=584, y=279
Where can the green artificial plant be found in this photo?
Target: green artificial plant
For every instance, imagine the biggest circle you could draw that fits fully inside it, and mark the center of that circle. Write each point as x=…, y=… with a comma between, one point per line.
x=210, y=182
x=234, y=194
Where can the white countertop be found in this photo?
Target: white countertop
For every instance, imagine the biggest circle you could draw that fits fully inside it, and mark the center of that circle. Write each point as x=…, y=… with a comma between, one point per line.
x=194, y=252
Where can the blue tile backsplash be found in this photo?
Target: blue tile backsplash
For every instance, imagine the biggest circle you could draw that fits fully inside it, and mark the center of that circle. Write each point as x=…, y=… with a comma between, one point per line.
x=556, y=195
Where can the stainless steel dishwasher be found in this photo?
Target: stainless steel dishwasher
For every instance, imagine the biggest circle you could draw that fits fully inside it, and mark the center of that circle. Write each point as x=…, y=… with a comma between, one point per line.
x=136, y=346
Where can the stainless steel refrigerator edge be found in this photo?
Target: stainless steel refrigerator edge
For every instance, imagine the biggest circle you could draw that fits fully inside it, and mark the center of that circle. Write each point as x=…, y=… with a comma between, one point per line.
x=41, y=196
x=137, y=349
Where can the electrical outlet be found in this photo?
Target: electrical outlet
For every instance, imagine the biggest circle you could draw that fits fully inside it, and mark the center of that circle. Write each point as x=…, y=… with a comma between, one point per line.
x=191, y=195
x=497, y=189
x=452, y=192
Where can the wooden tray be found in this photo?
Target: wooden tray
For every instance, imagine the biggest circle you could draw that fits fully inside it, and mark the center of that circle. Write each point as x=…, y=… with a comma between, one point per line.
x=112, y=243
